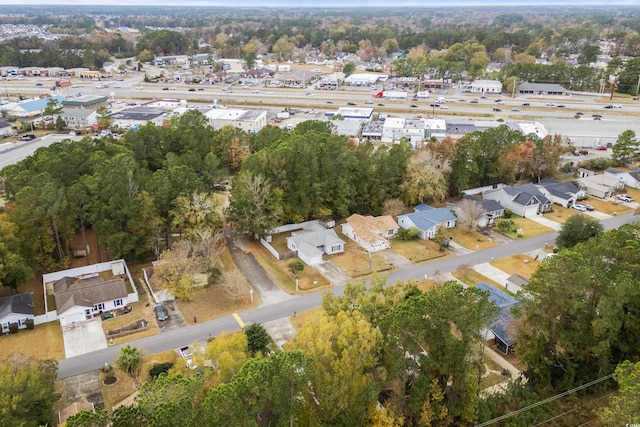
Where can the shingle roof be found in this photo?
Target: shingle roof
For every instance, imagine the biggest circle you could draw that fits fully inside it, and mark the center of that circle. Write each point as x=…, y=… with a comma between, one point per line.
x=427, y=219
x=501, y=298
x=503, y=327
x=372, y=229
x=21, y=303
x=487, y=204
x=317, y=238
x=87, y=292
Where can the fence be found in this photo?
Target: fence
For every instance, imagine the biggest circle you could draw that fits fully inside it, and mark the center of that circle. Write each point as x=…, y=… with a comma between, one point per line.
x=275, y=253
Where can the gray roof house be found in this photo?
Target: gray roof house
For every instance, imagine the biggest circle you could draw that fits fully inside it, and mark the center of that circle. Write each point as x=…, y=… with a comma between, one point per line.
x=541, y=89
x=6, y=129
x=524, y=200
x=491, y=210
x=15, y=309
x=80, y=299
x=561, y=193
x=427, y=219
x=311, y=245
x=630, y=178
x=502, y=326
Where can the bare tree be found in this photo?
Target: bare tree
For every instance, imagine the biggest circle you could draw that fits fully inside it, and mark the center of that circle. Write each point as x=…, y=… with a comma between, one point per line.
x=469, y=211
x=393, y=207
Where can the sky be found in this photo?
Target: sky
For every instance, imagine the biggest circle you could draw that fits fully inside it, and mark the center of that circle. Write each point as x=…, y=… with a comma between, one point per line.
x=322, y=3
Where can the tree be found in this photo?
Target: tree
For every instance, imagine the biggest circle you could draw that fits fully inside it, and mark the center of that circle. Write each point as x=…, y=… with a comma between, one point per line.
x=425, y=180
x=349, y=68
x=27, y=391
x=626, y=148
x=227, y=353
x=296, y=267
x=198, y=214
x=576, y=229
x=129, y=361
x=393, y=207
x=14, y=270
x=254, y=206
x=96, y=418
x=258, y=339
x=624, y=405
x=469, y=211
x=178, y=272
x=105, y=121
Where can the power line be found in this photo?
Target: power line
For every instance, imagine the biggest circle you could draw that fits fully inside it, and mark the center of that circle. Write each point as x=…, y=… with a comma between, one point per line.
x=542, y=402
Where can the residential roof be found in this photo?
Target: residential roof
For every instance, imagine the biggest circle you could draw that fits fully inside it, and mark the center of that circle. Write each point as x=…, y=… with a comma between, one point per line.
x=371, y=229
x=564, y=187
x=86, y=292
x=19, y=304
x=523, y=193
x=487, y=205
x=501, y=298
x=427, y=219
x=316, y=239
x=600, y=181
x=503, y=327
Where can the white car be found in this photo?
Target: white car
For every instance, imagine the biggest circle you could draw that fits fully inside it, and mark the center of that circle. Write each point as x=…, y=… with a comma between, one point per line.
x=624, y=197
x=443, y=107
x=617, y=106
x=579, y=207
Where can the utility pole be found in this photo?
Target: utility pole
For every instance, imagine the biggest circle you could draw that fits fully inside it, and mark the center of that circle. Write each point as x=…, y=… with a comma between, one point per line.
x=638, y=86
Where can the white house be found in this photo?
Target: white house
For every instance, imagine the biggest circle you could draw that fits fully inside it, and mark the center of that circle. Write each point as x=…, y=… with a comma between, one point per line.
x=427, y=219
x=525, y=200
x=248, y=120
x=372, y=233
x=629, y=178
x=561, y=193
x=15, y=309
x=85, y=292
x=600, y=185
x=79, y=118
x=311, y=245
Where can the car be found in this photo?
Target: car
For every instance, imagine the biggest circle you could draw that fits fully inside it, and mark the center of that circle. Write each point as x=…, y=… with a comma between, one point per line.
x=368, y=102
x=255, y=91
x=500, y=102
x=608, y=107
x=161, y=313
x=28, y=137
x=462, y=100
x=38, y=84
x=380, y=105
x=72, y=133
x=579, y=207
x=414, y=99
x=515, y=109
x=596, y=116
x=165, y=88
x=589, y=208
x=526, y=104
x=497, y=110
x=473, y=101
x=483, y=97
x=624, y=197
x=550, y=104
x=444, y=107
x=201, y=89
x=192, y=89
x=329, y=102
x=309, y=94
x=617, y=106
x=601, y=147
x=413, y=106
x=575, y=152
x=353, y=104
x=579, y=113
x=560, y=106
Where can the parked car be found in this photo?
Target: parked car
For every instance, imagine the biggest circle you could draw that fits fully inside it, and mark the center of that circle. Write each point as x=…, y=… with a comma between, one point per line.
x=579, y=207
x=589, y=208
x=624, y=197
x=28, y=137
x=601, y=147
x=473, y=101
x=351, y=104
x=161, y=313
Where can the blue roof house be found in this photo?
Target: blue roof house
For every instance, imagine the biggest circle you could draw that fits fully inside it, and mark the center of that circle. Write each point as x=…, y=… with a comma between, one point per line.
x=32, y=107
x=503, y=326
x=427, y=219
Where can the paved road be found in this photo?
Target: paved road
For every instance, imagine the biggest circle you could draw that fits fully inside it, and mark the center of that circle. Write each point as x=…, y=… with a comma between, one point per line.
x=265, y=313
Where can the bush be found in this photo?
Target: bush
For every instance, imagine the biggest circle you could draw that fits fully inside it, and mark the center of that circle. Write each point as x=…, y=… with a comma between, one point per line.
x=30, y=324
x=412, y=233
x=506, y=225
x=160, y=368
x=13, y=328
x=508, y=214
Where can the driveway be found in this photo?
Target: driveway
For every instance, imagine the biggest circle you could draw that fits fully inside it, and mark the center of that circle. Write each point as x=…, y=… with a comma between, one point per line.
x=394, y=259
x=540, y=219
x=333, y=274
x=83, y=337
x=493, y=273
x=598, y=215
x=175, y=319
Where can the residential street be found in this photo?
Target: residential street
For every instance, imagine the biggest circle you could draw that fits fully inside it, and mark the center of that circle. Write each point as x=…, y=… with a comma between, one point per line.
x=277, y=309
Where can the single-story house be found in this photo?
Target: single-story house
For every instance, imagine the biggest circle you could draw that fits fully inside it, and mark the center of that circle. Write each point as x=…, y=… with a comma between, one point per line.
x=159, y=295
x=600, y=185
x=427, y=219
x=516, y=282
x=491, y=210
x=502, y=327
x=524, y=200
x=311, y=245
x=372, y=233
x=16, y=309
x=561, y=193
x=629, y=178
x=527, y=88
x=6, y=129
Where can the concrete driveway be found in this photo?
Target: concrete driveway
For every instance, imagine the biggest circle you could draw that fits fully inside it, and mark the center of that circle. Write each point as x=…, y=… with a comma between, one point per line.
x=333, y=274
x=83, y=337
x=546, y=222
x=493, y=273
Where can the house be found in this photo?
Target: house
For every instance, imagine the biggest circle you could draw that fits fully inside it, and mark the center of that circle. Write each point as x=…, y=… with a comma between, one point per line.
x=561, y=193
x=79, y=118
x=85, y=292
x=491, y=210
x=372, y=233
x=629, y=178
x=601, y=185
x=16, y=309
x=5, y=129
x=503, y=326
x=310, y=245
x=159, y=295
x=427, y=219
x=516, y=282
x=524, y=200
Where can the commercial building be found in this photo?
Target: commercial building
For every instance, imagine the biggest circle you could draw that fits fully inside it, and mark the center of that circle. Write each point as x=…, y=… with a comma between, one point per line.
x=92, y=102
x=247, y=120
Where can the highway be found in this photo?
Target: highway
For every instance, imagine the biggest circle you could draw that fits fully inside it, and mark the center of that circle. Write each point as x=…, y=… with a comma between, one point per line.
x=187, y=335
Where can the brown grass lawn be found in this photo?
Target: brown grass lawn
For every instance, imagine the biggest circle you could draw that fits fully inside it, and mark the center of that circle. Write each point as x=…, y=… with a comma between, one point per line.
x=516, y=264
x=220, y=299
x=43, y=342
x=116, y=393
x=470, y=240
x=470, y=277
x=418, y=250
x=279, y=242
x=609, y=207
x=633, y=192
x=560, y=214
x=529, y=228
x=153, y=359
x=356, y=262
x=310, y=280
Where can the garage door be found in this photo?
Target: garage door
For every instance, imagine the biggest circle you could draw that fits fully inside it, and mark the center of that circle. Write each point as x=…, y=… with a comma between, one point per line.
x=70, y=318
